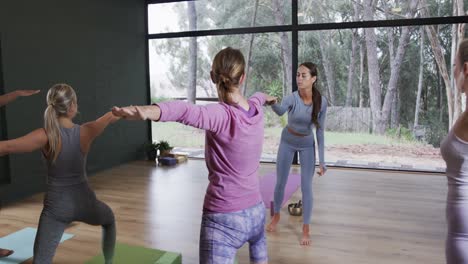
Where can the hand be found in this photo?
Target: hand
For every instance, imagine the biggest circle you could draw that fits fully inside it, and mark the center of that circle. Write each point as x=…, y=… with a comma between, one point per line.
x=114, y=118
x=322, y=170
x=271, y=100
x=129, y=112
x=26, y=92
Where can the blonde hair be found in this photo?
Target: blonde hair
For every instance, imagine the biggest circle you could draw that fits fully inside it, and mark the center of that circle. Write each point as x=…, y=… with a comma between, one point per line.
x=463, y=51
x=228, y=68
x=60, y=99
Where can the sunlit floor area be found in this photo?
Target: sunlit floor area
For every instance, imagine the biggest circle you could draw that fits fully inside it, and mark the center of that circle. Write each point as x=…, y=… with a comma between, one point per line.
x=359, y=216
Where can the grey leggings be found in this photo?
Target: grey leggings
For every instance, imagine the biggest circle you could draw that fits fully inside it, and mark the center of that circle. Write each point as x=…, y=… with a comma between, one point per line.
x=456, y=246
x=288, y=146
x=63, y=205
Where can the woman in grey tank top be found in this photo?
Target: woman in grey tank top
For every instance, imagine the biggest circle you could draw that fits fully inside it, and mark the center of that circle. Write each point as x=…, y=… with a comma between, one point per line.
x=454, y=149
x=5, y=99
x=68, y=197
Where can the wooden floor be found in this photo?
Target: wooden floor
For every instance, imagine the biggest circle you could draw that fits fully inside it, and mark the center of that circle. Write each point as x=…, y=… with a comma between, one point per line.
x=359, y=216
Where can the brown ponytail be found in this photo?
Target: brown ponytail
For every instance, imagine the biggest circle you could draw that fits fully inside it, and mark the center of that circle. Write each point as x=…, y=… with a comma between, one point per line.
x=227, y=70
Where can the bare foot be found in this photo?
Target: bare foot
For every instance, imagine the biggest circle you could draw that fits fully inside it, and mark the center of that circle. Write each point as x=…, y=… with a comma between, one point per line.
x=5, y=252
x=274, y=221
x=305, y=241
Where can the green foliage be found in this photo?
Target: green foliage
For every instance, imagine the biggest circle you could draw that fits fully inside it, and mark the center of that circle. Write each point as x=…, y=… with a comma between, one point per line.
x=436, y=130
x=163, y=145
x=275, y=88
x=401, y=133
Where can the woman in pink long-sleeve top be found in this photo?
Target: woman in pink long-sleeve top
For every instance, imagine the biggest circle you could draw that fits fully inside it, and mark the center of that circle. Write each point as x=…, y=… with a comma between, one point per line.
x=233, y=211
x=454, y=149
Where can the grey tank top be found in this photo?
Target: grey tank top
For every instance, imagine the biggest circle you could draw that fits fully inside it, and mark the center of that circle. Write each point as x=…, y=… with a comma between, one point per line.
x=70, y=166
x=455, y=153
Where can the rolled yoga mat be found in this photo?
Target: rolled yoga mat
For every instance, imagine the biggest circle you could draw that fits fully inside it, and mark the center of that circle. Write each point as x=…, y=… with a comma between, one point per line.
x=125, y=254
x=22, y=242
x=267, y=187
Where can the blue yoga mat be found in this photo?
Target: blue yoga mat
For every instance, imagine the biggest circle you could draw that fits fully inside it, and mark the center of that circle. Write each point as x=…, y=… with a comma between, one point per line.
x=22, y=242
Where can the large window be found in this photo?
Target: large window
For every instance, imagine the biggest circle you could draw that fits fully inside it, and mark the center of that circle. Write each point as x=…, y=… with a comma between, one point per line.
x=317, y=11
x=215, y=14
x=390, y=87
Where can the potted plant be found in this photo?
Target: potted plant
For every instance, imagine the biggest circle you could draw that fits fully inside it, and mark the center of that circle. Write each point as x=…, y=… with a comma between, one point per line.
x=164, y=148
x=151, y=149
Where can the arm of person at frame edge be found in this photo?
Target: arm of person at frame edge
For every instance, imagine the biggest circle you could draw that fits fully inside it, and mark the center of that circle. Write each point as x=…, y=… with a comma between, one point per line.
x=9, y=97
x=321, y=137
x=285, y=105
x=35, y=140
x=91, y=130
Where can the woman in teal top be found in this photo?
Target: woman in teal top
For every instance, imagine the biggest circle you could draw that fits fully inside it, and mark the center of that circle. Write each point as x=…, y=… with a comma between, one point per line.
x=306, y=109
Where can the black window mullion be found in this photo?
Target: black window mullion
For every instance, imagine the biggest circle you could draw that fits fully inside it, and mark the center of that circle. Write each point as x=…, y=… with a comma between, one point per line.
x=294, y=43
x=294, y=51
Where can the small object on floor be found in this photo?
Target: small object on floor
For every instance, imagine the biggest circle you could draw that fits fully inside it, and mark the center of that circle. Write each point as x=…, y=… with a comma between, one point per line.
x=167, y=161
x=22, y=243
x=125, y=254
x=180, y=157
x=295, y=209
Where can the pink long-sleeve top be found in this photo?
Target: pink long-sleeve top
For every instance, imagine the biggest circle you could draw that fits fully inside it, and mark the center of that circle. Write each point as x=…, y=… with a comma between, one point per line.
x=233, y=145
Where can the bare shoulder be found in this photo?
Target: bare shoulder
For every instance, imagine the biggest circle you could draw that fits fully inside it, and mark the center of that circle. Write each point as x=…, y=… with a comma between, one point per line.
x=39, y=133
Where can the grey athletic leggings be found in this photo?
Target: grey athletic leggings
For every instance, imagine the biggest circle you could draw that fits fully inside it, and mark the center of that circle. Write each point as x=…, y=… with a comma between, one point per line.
x=63, y=205
x=289, y=144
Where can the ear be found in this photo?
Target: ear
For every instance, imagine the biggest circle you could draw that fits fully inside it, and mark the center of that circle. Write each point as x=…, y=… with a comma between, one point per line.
x=314, y=79
x=465, y=69
x=242, y=79
x=213, y=79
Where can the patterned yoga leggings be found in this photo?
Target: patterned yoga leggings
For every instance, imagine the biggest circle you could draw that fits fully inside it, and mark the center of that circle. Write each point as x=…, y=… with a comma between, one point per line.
x=222, y=234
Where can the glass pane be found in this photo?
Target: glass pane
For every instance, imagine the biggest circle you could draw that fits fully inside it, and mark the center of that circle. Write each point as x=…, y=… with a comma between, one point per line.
x=169, y=76
x=216, y=14
x=317, y=11
x=374, y=79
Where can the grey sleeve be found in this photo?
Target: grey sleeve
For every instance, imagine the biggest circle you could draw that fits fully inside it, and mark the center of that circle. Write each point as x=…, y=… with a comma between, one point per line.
x=320, y=131
x=285, y=105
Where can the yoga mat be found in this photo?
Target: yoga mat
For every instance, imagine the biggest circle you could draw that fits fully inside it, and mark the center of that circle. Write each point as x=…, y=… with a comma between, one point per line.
x=22, y=242
x=125, y=254
x=267, y=187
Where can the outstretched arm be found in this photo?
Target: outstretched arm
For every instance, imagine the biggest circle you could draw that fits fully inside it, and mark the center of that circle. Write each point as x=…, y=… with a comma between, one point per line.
x=144, y=112
x=212, y=117
x=37, y=139
x=281, y=108
x=9, y=97
x=90, y=130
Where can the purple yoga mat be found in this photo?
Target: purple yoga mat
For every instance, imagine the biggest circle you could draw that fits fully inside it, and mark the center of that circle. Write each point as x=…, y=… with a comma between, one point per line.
x=267, y=187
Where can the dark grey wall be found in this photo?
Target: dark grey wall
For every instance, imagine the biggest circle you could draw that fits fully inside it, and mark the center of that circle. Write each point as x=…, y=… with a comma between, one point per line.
x=98, y=47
